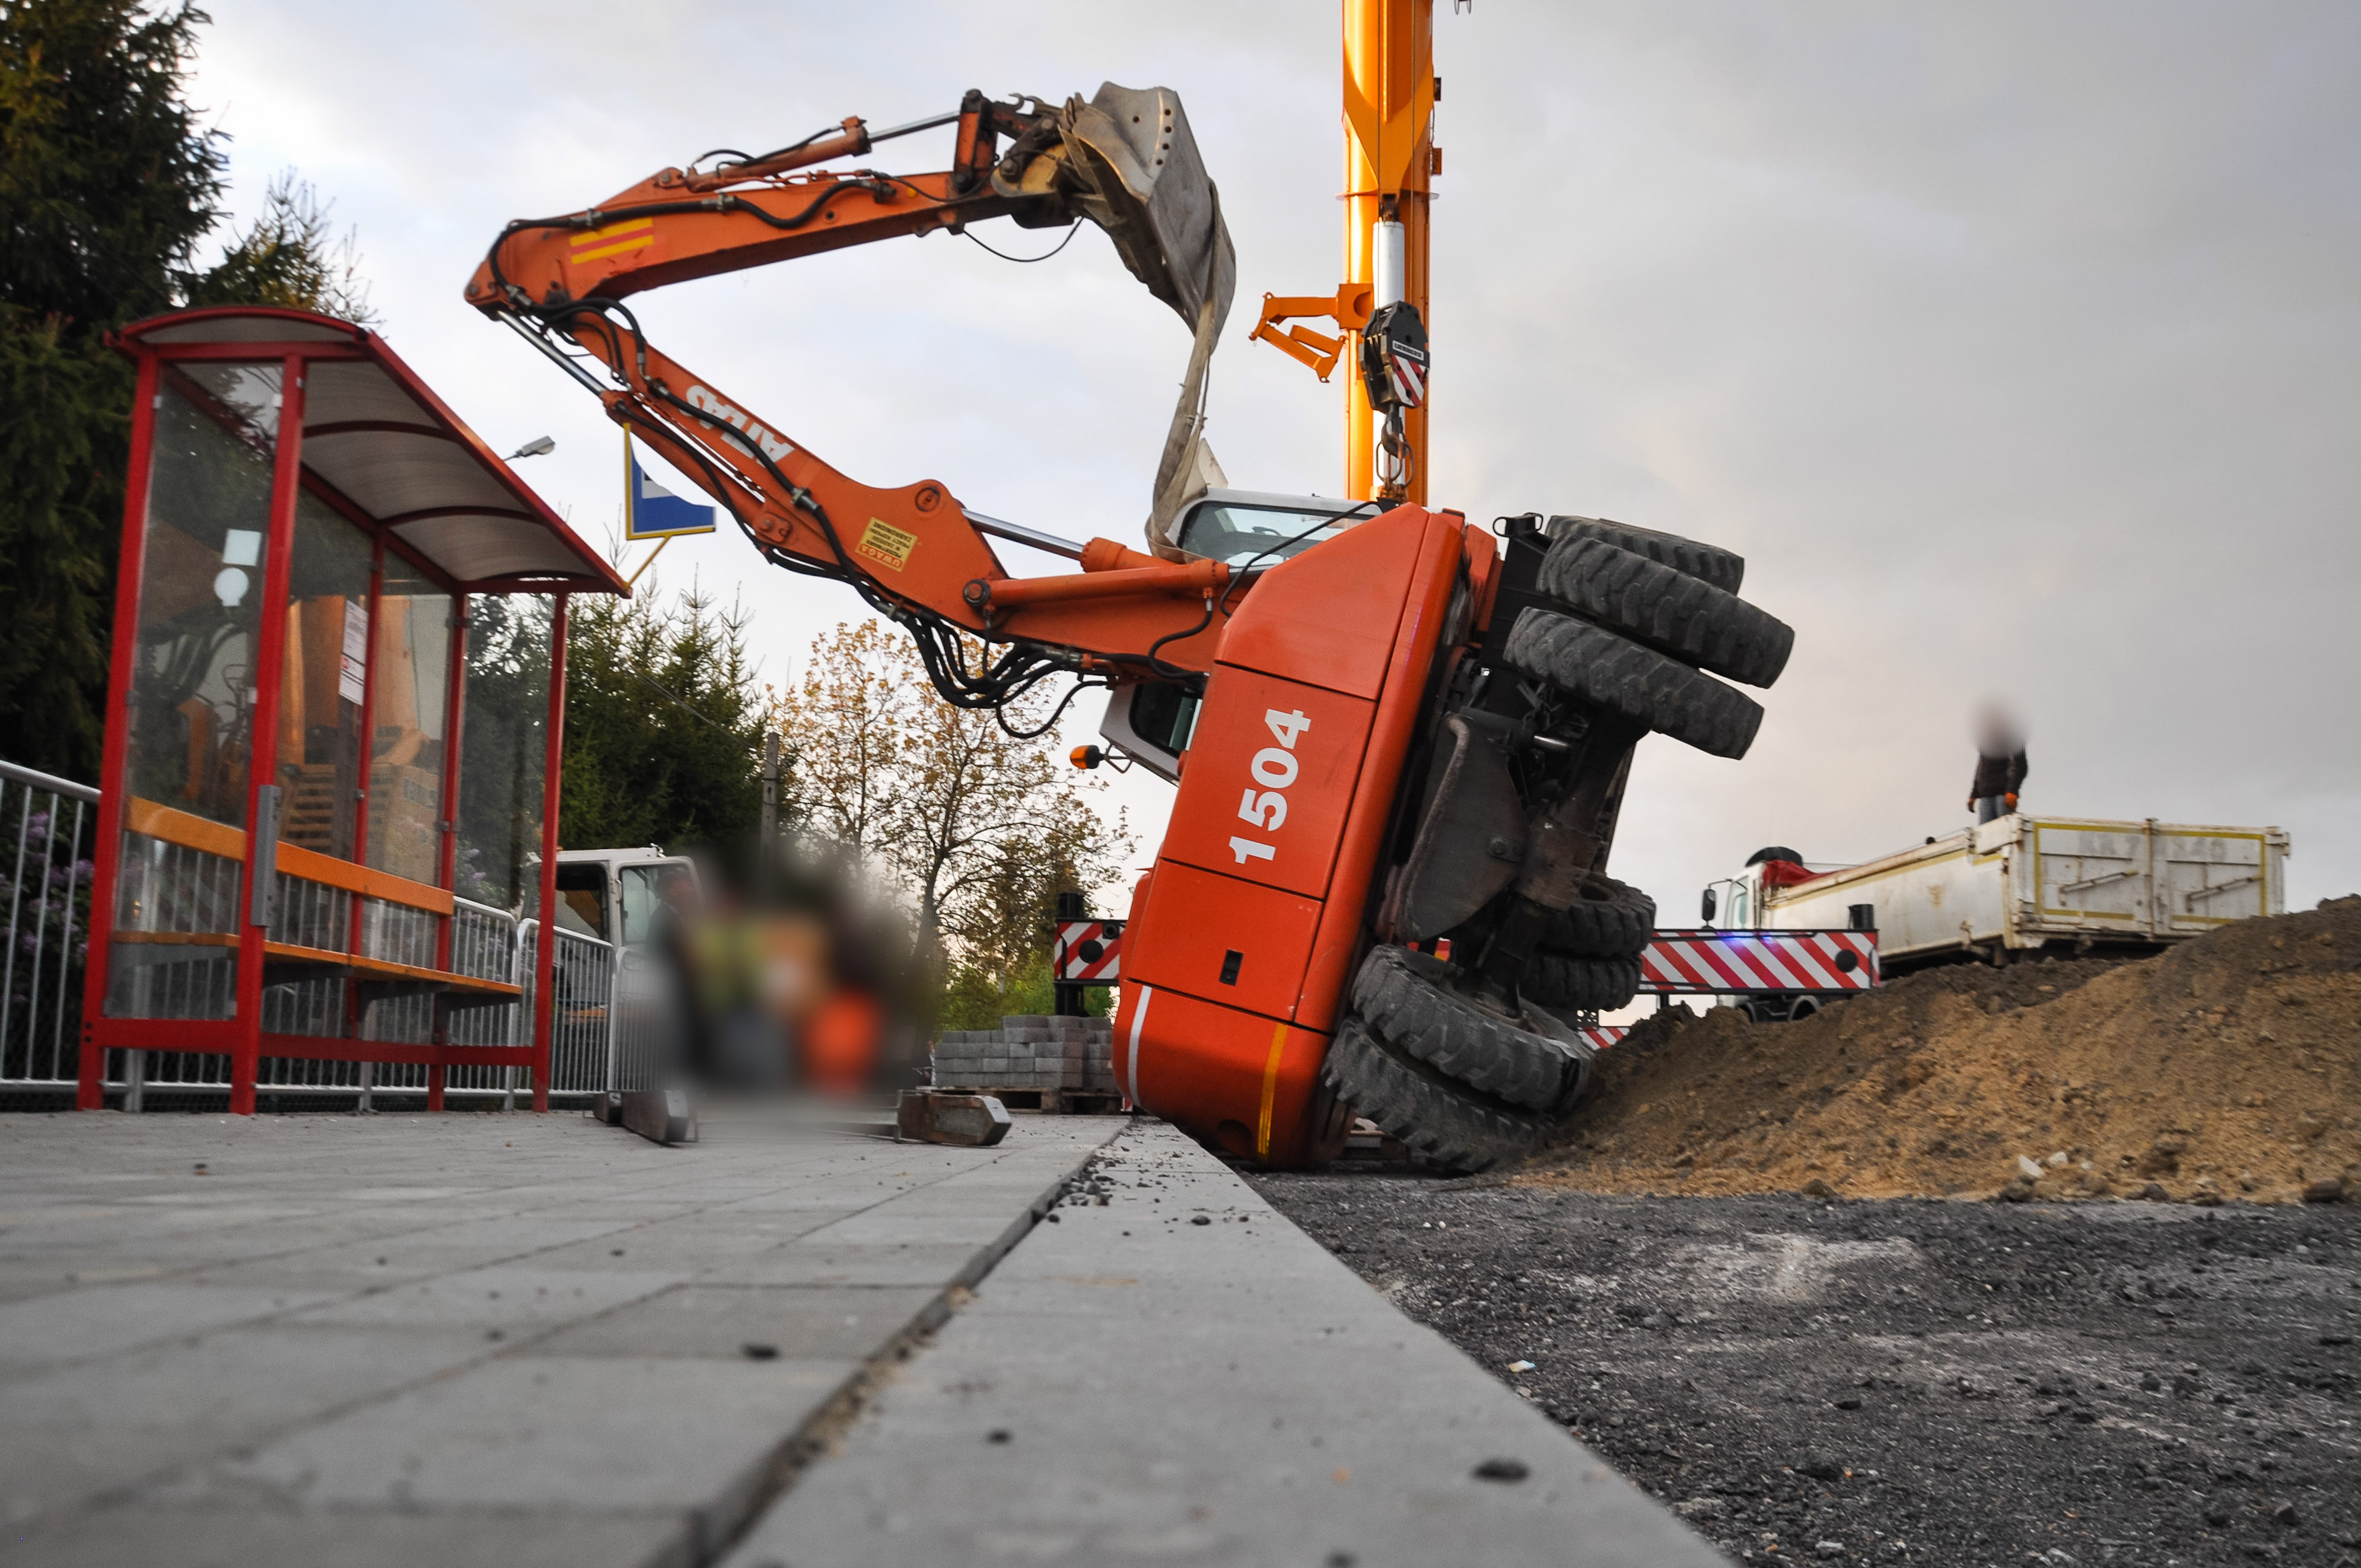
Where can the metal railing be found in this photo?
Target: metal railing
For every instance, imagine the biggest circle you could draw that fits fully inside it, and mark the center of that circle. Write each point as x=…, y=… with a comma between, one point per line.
x=607, y=1023
x=48, y=924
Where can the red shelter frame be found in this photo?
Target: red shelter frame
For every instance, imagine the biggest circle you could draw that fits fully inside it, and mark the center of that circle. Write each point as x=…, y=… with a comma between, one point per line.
x=359, y=432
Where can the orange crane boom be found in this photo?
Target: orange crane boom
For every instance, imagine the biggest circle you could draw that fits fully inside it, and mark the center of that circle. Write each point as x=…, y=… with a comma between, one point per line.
x=1390, y=160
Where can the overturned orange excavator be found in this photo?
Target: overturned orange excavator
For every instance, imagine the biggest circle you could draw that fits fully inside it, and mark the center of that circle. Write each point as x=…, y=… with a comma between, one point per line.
x=1390, y=730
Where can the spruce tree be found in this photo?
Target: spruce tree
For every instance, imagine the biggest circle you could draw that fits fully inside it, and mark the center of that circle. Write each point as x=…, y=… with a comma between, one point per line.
x=108, y=184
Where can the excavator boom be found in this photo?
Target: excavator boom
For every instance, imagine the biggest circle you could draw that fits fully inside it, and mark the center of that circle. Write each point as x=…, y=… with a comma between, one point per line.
x=1125, y=159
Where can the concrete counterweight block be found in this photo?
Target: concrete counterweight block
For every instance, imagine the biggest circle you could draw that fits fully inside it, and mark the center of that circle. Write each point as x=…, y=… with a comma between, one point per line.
x=973, y=1120
x=661, y=1115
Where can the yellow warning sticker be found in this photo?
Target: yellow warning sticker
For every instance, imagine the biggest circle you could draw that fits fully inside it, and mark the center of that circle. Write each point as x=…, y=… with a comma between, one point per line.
x=884, y=543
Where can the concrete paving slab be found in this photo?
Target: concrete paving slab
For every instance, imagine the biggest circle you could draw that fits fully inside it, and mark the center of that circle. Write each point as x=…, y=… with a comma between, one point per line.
x=78, y=1434
x=718, y=1321
x=518, y=1298
x=846, y=1263
x=74, y=1325
x=350, y=1538
x=1130, y=1385
x=540, y=1433
x=689, y=1246
x=371, y=1375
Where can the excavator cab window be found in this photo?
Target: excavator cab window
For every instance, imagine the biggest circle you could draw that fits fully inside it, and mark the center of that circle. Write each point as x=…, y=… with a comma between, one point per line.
x=1164, y=715
x=1151, y=723
x=1243, y=527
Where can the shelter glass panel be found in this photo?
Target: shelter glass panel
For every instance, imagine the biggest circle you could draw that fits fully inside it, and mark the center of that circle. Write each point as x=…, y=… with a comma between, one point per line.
x=189, y=712
x=324, y=668
x=193, y=673
x=413, y=681
x=501, y=746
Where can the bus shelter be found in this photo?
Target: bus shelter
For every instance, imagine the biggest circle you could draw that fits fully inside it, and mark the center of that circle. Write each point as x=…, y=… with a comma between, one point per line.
x=330, y=785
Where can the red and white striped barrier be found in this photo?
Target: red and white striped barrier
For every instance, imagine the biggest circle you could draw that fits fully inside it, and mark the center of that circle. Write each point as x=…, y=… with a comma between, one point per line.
x=1088, y=952
x=1759, y=963
x=1606, y=1035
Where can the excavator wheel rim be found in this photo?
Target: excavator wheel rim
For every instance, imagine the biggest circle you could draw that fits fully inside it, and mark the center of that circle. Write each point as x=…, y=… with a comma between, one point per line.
x=1611, y=920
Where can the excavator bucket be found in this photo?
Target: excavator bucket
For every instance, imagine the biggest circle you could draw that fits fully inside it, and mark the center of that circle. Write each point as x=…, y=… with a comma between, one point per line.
x=1147, y=188
x=1142, y=182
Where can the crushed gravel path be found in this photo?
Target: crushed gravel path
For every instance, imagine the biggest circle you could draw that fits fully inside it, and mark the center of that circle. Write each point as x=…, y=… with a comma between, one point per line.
x=1909, y=1381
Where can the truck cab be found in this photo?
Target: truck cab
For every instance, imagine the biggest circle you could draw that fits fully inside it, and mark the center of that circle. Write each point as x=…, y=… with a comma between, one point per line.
x=1737, y=903
x=619, y=896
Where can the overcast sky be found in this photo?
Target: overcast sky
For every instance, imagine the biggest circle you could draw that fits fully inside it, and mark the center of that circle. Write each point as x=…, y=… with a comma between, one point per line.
x=2017, y=346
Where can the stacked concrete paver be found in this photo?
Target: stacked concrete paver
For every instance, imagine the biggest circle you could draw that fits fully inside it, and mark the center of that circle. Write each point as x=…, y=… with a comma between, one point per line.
x=1030, y=1051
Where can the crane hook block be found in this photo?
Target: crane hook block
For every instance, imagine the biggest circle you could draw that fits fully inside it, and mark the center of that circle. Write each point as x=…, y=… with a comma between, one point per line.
x=1393, y=359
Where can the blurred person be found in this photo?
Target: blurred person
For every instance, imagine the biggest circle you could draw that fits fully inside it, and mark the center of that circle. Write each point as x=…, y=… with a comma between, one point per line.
x=716, y=947
x=746, y=1047
x=841, y=1039
x=2000, y=764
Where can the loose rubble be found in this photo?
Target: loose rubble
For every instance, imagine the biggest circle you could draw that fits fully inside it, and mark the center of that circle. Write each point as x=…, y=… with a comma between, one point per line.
x=2224, y=1070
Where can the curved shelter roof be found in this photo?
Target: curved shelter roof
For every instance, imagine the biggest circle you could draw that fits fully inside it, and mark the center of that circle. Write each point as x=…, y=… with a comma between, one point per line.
x=377, y=438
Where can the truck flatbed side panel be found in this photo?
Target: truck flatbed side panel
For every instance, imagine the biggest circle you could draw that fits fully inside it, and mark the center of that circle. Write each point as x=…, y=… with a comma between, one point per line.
x=2210, y=876
x=2026, y=881
x=1938, y=896
x=2080, y=878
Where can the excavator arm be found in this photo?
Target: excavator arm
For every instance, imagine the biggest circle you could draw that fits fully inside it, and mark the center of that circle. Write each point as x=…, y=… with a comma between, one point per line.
x=1125, y=160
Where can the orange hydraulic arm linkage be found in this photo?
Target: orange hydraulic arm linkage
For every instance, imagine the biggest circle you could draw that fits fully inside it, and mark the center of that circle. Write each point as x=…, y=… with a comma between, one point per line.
x=1125, y=159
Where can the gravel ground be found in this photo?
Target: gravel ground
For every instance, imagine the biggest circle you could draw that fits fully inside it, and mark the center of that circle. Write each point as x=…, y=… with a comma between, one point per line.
x=1909, y=1380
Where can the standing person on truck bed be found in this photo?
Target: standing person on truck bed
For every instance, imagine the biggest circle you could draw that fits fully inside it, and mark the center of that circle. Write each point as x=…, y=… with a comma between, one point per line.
x=2000, y=766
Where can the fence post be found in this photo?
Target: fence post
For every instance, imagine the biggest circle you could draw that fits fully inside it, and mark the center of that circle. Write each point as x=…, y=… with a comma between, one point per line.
x=15, y=902
x=49, y=948
x=552, y=768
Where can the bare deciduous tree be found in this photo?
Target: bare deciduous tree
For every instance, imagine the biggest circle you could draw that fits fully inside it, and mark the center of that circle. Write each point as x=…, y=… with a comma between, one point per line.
x=980, y=829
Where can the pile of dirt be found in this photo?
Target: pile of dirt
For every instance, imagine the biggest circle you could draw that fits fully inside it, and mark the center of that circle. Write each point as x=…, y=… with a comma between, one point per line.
x=2227, y=1068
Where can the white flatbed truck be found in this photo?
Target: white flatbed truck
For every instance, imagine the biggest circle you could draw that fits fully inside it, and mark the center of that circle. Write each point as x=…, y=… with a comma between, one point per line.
x=2018, y=884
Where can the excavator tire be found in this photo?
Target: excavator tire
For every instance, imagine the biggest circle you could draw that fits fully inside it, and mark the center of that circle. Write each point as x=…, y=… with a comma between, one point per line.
x=1611, y=920
x=1403, y=999
x=1704, y=562
x=1564, y=983
x=1666, y=609
x=1447, y=1122
x=1596, y=665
